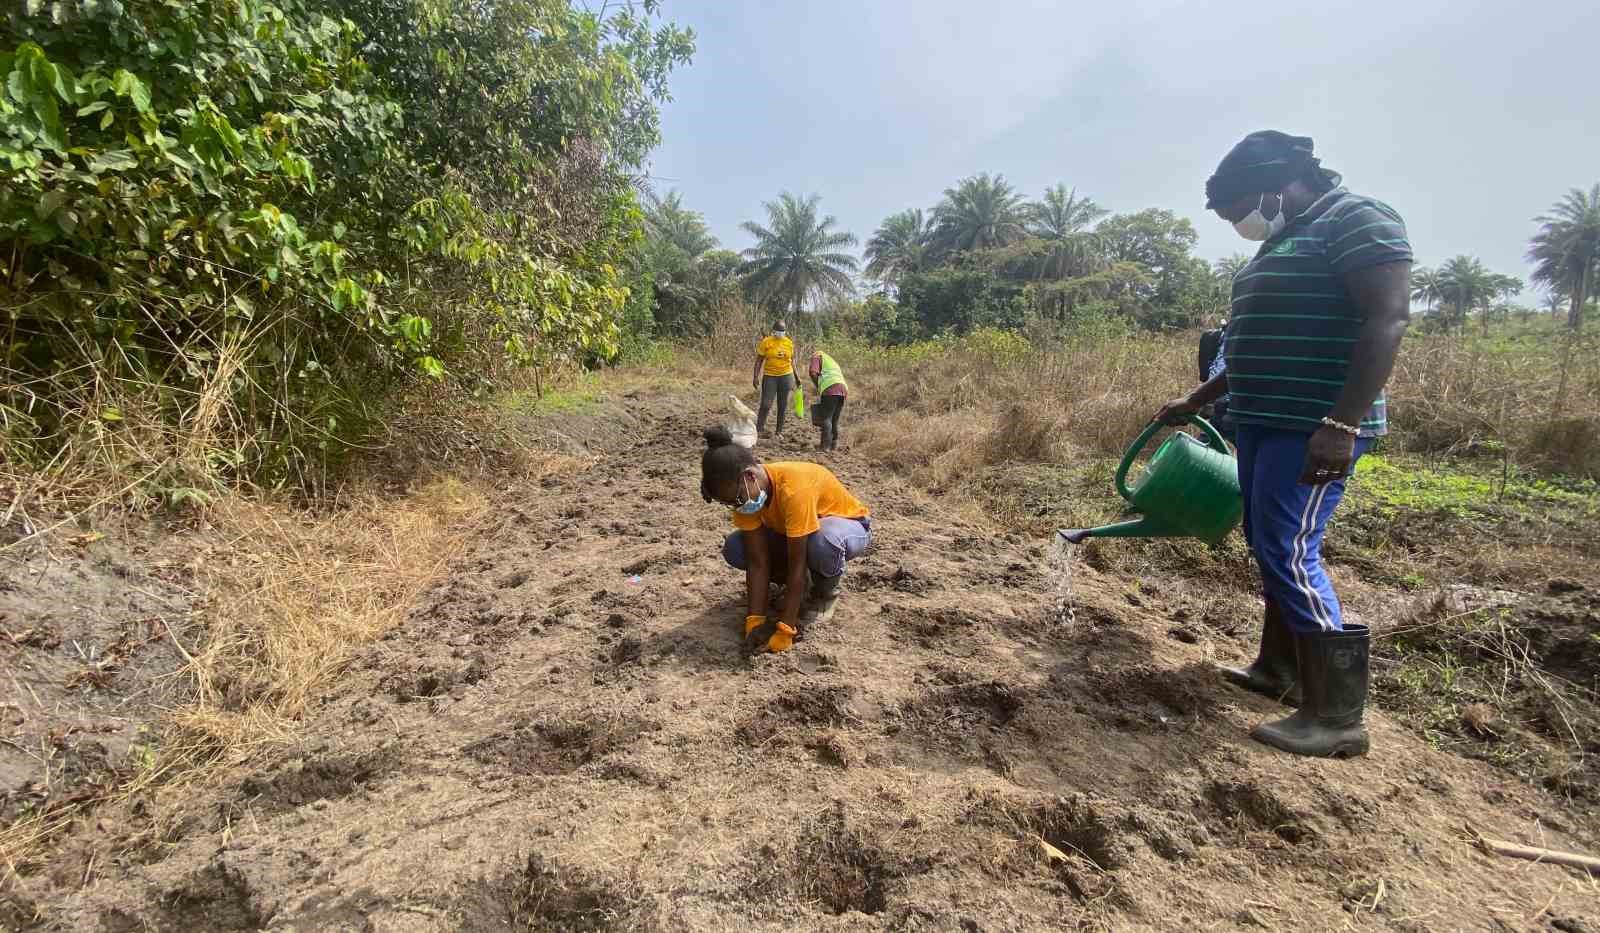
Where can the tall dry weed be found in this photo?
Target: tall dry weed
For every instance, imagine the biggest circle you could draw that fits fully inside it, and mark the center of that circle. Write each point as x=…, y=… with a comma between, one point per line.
x=1055, y=405
x=1525, y=398
x=737, y=328
x=1530, y=396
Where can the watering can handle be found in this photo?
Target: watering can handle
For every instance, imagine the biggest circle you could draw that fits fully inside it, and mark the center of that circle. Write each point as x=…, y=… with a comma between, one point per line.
x=1213, y=438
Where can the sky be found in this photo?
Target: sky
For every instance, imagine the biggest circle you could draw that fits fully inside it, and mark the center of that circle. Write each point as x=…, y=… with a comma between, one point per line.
x=1470, y=118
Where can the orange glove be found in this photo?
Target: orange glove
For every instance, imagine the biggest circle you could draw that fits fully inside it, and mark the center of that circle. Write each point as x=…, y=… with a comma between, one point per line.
x=751, y=623
x=782, y=639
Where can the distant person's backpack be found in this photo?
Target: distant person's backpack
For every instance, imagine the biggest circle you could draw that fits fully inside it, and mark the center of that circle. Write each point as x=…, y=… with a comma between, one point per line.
x=1209, y=342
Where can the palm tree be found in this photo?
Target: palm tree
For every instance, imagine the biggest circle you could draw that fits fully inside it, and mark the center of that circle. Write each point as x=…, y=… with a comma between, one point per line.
x=980, y=212
x=1566, y=250
x=667, y=219
x=1425, y=286
x=903, y=243
x=1062, y=219
x=1466, y=284
x=796, y=256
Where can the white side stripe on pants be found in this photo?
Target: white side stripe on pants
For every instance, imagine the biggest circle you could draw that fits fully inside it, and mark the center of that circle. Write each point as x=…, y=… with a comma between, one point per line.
x=1300, y=553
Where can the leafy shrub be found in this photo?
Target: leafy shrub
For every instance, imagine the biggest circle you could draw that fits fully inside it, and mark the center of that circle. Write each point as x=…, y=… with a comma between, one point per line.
x=237, y=224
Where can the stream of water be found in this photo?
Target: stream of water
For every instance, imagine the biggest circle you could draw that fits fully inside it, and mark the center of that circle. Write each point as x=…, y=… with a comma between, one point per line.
x=1059, y=560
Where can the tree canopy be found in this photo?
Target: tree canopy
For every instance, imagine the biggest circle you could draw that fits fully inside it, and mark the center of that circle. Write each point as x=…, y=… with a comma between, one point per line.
x=902, y=244
x=1566, y=250
x=798, y=255
x=305, y=203
x=980, y=212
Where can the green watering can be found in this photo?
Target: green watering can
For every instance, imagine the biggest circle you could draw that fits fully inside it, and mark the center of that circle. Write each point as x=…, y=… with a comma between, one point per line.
x=1189, y=490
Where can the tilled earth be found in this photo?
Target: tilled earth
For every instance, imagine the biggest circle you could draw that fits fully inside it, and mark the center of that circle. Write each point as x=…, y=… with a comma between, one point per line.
x=566, y=735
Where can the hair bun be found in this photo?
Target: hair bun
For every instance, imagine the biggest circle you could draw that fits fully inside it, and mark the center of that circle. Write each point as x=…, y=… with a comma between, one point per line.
x=717, y=435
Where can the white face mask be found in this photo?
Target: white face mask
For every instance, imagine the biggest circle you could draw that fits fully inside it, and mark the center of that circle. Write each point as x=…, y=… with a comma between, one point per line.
x=1256, y=227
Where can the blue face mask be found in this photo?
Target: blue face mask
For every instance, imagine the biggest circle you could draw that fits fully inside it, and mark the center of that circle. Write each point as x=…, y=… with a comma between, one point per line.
x=752, y=506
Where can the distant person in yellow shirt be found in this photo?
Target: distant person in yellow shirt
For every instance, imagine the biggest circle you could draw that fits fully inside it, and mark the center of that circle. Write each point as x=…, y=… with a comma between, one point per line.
x=789, y=518
x=774, y=375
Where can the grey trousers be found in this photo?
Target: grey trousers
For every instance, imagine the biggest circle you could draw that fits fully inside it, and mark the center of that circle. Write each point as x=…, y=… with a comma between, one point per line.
x=774, y=388
x=827, y=549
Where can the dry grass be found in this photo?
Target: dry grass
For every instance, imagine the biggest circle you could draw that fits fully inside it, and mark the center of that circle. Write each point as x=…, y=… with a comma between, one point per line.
x=944, y=417
x=1493, y=676
x=1527, y=394
x=295, y=595
x=739, y=326
x=941, y=410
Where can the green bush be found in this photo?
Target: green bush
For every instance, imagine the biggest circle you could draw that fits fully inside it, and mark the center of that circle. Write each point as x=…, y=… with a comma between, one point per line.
x=240, y=224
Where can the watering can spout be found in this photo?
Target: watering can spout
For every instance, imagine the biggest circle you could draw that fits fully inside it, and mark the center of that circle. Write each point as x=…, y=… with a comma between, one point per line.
x=1144, y=527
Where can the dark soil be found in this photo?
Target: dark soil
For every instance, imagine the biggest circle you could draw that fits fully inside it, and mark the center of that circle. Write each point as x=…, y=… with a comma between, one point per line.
x=1513, y=680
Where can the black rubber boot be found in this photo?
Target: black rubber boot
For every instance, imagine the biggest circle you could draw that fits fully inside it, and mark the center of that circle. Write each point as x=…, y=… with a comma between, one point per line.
x=1333, y=674
x=820, y=601
x=1275, y=672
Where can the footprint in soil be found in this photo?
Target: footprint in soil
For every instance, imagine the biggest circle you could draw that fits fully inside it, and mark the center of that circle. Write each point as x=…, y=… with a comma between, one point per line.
x=972, y=719
x=217, y=897
x=900, y=580
x=947, y=629
x=1146, y=698
x=437, y=680
x=1100, y=831
x=958, y=706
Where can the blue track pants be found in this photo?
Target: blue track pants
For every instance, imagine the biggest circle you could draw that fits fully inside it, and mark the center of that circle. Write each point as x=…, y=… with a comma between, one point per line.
x=1283, y=524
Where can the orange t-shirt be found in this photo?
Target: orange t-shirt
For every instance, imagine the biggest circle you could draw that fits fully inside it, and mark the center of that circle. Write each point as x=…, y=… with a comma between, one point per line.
x=803, y=494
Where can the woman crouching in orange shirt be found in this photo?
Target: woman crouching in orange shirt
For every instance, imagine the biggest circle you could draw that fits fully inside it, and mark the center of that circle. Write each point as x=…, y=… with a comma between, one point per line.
x=790, y=518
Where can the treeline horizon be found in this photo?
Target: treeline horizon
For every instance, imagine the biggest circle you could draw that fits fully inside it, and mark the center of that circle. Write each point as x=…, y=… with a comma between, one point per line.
x=986, y=256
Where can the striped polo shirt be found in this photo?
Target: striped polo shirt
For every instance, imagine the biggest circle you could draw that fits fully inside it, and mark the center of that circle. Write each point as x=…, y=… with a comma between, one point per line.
x=1293, y=324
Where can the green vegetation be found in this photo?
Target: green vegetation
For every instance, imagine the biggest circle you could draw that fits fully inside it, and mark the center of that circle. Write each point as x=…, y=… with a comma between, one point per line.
x=980, y=212
x=986, y=257
x=903, y=245
x=1464, y=489
x=797, y=255
x=235, y=229
x=681, y=279
x=242, y=234
x=1460, y=287
x=578, y=397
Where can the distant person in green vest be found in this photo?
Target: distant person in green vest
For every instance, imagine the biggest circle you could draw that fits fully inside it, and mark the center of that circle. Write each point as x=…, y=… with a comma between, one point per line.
x=828, y=379
x=774, y=375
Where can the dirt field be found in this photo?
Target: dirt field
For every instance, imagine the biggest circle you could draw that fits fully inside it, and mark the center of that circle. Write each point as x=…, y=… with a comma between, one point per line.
x=566, y=735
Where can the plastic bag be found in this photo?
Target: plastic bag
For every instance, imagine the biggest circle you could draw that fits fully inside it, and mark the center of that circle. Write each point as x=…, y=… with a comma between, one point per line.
x=799, y=402
x=743, y=423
